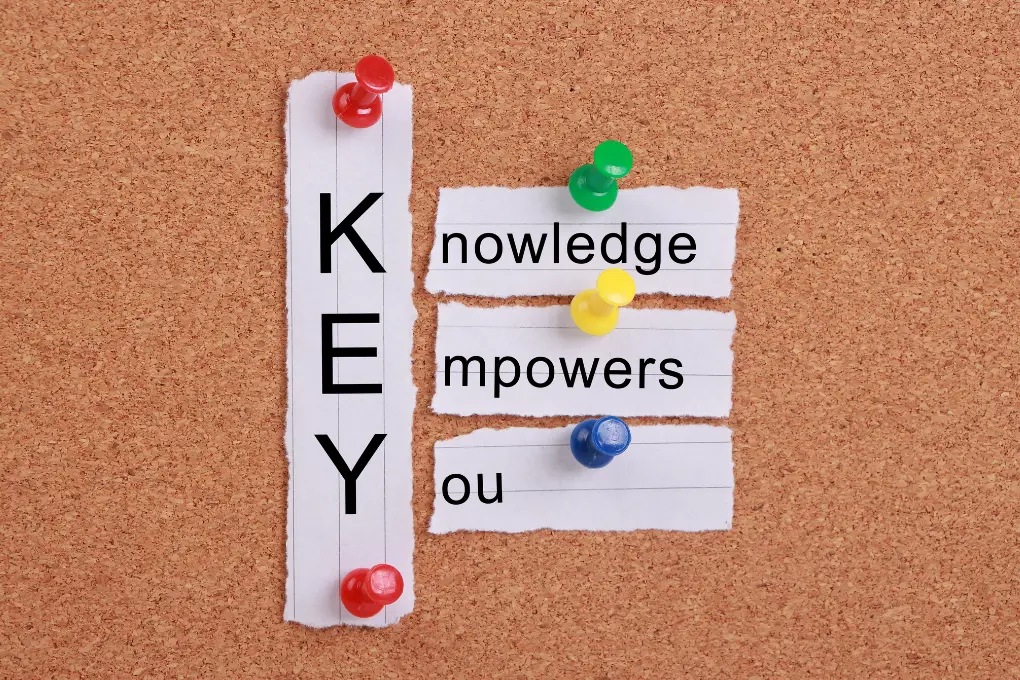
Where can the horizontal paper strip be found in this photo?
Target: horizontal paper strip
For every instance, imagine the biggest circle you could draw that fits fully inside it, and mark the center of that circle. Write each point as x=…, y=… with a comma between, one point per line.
x=499, y=242
x=672, y=477
x=534, y=361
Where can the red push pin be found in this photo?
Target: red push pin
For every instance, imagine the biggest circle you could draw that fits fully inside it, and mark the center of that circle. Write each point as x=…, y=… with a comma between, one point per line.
x=365, y=592
x=358, y=103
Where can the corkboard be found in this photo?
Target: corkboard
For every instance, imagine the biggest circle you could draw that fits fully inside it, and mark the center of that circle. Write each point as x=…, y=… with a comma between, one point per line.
x=876, y=530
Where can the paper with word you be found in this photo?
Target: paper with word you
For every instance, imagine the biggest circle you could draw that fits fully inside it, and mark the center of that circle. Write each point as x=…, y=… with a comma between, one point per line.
x=350, y=396
x=498, y=242
x=533, y=361
x=672, y=477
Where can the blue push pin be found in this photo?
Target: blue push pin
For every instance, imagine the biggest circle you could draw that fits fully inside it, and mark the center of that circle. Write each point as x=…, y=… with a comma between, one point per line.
x=595, y=443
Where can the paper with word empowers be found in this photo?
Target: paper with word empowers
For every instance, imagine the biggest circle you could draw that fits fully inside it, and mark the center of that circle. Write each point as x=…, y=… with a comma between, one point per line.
x=499, y=242
x=672, y=477
x=354, y=402
x=533, y=361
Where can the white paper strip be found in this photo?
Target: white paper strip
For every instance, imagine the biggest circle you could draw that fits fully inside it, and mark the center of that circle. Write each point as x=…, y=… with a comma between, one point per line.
x=324, y=543
x=656, y=363
x=499, y=242
x=672, y=477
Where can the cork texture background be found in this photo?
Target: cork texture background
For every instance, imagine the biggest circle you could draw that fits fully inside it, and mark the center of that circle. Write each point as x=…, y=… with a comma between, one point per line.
x=876, y=431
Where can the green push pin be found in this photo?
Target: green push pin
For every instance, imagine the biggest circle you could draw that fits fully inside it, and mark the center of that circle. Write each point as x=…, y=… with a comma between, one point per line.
x=593, y=185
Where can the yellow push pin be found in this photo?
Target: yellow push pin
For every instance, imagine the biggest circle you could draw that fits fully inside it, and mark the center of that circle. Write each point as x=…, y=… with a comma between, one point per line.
x=596, y=310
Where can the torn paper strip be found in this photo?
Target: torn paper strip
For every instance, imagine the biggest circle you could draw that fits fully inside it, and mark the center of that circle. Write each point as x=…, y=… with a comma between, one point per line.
x=492, y=241
x=339, y=175
x=672, y=477
x=533, y=361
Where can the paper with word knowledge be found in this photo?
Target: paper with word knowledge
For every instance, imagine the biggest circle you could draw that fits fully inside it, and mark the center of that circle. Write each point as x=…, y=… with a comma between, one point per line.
x=534, y=361
x=671, y=477
x=350, y=396
x=499, y=242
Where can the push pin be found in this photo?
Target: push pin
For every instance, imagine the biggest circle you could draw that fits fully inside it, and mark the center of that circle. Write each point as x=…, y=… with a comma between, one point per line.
x=595, y=443
x=365, y=592
x=358, y=103
x=597, y=310
x=593, y=185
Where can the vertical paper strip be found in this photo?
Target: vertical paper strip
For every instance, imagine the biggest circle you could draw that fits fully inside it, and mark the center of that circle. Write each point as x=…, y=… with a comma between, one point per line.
x=348, y=165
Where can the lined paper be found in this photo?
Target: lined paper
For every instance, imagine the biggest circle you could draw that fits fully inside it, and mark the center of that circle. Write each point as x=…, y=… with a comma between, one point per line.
x=497, y=242
x=468, y=337
x=671, y=477
x=323, y=542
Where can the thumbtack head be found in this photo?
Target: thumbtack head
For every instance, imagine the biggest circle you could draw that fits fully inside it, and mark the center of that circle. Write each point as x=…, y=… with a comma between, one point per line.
x=597, y=310
x=616, y=287
x=374, y=74
x=364, y=592
x=384, y=584
x=593, y=185
x=613, y=158
x=595, y=443
x=610, y=436
x=358, y=104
